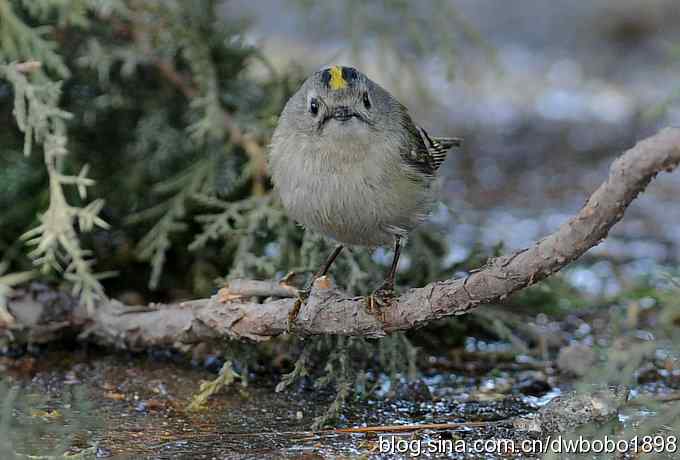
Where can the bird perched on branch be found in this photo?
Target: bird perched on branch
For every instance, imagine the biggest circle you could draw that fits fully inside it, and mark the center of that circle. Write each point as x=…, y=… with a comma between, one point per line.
x=348, y=162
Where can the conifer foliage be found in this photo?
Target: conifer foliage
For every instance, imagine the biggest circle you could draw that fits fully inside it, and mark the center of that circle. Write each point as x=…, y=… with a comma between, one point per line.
x=134, y=153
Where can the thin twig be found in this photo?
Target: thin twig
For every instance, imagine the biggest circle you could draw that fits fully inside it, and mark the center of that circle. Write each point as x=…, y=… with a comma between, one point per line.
x=375, y=429
x=28, y=66
x=415, y=427
x=238, y=289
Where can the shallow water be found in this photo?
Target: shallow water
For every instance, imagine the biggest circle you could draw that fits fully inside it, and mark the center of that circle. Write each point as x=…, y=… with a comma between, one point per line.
x=139, y=406
x=134, y=405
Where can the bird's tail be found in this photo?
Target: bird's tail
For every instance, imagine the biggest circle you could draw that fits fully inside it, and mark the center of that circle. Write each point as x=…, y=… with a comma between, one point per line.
x=438, y=147
x=448, y=142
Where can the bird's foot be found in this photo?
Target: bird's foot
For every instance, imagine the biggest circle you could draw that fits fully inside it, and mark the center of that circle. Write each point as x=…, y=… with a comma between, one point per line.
x=302, y=297
x=381, y=298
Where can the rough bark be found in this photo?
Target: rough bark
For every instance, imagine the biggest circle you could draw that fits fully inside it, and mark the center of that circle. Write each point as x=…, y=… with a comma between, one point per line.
x=235, y=315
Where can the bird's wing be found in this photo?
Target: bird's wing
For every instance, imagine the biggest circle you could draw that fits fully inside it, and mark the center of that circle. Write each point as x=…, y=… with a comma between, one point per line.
x=438, y=147
x=430, y=152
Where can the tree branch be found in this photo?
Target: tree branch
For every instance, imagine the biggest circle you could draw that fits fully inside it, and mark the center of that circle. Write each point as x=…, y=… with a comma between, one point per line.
x=329, y=311
x=28, y=66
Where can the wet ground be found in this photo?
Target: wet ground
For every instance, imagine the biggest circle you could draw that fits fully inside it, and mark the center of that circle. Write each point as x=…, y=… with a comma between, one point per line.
x=139, y=407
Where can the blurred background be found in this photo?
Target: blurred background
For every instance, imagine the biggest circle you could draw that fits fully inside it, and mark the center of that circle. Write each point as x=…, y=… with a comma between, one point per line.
x=133, y=137
x=545, y=94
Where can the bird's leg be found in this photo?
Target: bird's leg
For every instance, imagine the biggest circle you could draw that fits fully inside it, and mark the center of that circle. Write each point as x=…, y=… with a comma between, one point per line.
x=329, y=261
x=303, y=294
x=384, y=295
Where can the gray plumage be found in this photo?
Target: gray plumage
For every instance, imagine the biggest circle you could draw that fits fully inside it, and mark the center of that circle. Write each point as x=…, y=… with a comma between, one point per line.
x=348, y=161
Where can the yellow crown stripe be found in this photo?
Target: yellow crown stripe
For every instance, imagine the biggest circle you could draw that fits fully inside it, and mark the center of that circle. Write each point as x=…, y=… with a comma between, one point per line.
x=337, y=82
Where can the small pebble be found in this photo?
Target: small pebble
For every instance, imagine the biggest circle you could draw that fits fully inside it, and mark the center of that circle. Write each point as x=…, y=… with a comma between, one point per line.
x=103, y=452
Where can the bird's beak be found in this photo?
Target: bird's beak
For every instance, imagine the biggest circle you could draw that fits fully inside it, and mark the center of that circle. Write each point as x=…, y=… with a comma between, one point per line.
x=342, y=113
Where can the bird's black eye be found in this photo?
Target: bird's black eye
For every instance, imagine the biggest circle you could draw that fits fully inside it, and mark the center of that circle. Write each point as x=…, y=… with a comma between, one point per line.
x=367, y=101
x=314, y=106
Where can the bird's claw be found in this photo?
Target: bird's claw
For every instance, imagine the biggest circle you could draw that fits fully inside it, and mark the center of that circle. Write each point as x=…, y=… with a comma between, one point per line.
x=304, y=294
x=380, y=299
x=302, y=297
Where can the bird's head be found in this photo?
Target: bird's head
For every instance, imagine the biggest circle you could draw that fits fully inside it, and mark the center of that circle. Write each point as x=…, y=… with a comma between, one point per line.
x=339, y=102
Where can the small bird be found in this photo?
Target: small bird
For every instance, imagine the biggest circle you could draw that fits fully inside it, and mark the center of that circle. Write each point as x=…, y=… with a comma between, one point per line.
x=348, y=162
